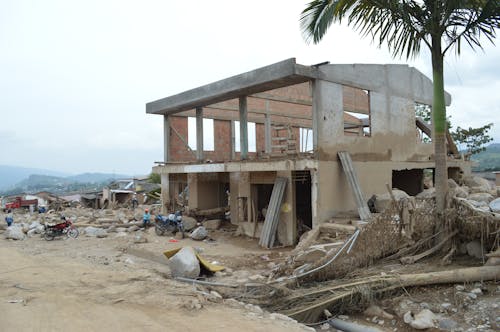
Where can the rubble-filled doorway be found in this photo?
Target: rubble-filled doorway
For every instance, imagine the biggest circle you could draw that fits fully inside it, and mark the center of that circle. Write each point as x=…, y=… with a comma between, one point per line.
x=303, y=201
x=410, y=181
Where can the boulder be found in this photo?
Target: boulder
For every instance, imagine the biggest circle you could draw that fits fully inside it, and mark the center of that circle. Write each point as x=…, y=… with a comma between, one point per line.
x=452, y=184
x=199, y=233
x=382, y=201
x=461, y=192
x=189, y=223
x=495, y=205
x=95, y=232
x=474, y=249
x=427, y=193
x=184, y=264
x=477, y=182
x=310, y=256
x=213, y=224
x=140, y=238
x=425, y=319
x=14, y=232
x=481, y=197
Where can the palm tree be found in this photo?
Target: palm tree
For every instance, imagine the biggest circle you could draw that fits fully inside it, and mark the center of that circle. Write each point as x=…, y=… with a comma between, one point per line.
x=441, y=25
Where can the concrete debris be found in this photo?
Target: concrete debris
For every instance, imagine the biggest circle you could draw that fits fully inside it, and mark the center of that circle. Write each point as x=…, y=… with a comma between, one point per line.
x=310, y=256
x=199, y=233
x=461, y=192
x=184, y=264
x=478, y=183
x=452, y=184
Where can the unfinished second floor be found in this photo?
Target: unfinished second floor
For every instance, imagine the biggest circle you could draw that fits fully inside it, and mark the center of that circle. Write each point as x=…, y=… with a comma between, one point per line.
x=287, y=110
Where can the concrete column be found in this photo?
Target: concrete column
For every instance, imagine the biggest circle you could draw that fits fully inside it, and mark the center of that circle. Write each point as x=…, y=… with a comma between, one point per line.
x=166, y=138
x=165, y=193
x=243, y=128
x=267, y=124
x=193, y=190
x=314, y=198
x=328, y=116
x=199, y=133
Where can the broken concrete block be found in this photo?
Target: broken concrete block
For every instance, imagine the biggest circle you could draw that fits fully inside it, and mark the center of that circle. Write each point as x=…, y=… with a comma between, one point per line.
x=382, y=201
x=481, y=197
x=199, y=233
x=184, y=264
x=212, y=224
x=140, y=238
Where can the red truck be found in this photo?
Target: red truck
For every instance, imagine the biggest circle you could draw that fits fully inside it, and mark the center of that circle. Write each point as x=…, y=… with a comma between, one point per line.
x=19, y=202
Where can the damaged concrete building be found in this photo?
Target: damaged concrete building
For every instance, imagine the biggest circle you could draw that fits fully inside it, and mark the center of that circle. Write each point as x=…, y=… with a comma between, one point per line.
x=229, y=141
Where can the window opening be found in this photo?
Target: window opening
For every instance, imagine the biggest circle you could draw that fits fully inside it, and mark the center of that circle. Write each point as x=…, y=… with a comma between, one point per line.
x=208, y=134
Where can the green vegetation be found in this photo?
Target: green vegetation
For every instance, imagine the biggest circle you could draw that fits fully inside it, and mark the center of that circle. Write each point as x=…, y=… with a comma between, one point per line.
x=404, y=26
x=489, y=159
x=474, y=139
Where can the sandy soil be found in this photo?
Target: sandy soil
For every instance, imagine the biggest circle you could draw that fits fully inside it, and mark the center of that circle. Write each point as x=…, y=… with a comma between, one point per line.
x=90, y=284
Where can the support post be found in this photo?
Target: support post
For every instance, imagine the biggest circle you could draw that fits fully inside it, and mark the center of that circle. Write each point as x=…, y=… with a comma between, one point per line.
x=165, y=193
x=199, y=134
x=243, y=128
x=267, y=125
x=166, y=138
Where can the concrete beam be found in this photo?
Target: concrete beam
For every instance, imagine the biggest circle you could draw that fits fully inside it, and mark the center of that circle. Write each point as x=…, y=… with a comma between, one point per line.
x=270, y=77
x=243, y=128
x=199, y=133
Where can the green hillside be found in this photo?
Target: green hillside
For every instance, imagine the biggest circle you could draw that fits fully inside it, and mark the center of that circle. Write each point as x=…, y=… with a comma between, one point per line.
x=489, y=160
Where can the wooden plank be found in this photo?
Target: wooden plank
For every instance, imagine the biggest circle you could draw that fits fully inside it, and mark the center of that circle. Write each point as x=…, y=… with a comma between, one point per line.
x=331, y=228
x=345, y=159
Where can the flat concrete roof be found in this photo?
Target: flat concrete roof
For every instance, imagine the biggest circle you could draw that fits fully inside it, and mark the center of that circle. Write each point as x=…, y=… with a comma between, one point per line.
x=277, y=75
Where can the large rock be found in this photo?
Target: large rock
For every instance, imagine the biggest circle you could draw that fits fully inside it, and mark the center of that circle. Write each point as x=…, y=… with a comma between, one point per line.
x=14, y=232
x=477, y=182
x=452, y=184
x=474, y=249
x=213, y=224
x=310, y=256
x=425, y=319
x=199, y=233
x=189, y=223
x=480, y=197
x=427, y=193
x=495, y=205
x=95, y=232
x=382, y=201
x=461, y=192
x=184, y=264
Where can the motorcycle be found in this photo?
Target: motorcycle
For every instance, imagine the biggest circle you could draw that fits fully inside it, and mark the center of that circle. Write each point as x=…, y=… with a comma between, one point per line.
x=65, y=227
x=171, y=224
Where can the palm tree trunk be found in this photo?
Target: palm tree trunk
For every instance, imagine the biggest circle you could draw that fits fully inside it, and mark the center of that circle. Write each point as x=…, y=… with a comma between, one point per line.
x=439, y=122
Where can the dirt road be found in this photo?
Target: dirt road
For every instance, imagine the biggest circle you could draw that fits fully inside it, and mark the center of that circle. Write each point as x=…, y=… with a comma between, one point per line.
x=89, y=284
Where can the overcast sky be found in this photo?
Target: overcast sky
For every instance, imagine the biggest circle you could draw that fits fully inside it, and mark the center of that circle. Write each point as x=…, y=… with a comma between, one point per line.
x=76, y=75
